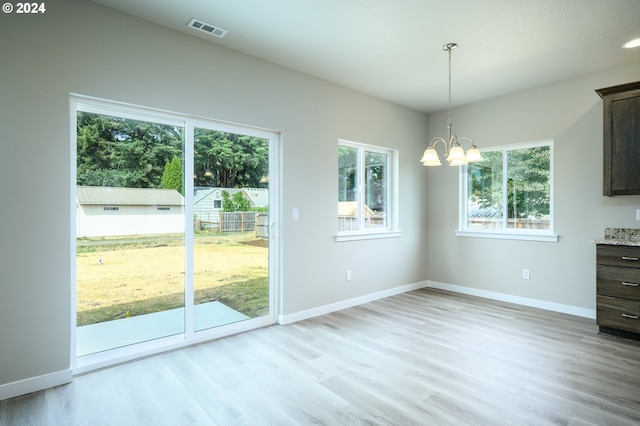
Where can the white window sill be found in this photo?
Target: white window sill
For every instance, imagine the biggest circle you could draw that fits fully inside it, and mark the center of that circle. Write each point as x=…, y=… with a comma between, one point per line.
x=549, y=238
x=367, y=235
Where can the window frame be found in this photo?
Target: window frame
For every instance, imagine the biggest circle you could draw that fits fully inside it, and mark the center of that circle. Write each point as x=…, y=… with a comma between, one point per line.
x=545, y=235
x=391, y=229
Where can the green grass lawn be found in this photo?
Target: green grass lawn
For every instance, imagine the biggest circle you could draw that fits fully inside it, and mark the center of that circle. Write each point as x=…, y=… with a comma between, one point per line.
x=250, y=297
x=246, y=292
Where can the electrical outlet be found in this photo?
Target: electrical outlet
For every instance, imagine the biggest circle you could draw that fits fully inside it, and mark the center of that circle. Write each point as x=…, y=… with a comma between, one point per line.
x=525, y=274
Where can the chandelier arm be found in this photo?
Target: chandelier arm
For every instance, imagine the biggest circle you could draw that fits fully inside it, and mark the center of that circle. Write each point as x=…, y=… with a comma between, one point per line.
x=460, y=138
x=437, y=139
x=453, y=140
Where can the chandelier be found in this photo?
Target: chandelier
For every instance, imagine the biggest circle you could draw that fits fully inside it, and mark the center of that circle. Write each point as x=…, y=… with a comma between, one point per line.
x=453, y=151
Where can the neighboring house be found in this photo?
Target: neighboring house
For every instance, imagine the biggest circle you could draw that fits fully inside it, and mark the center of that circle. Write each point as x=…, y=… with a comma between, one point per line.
x=207, y=205
x=484, y=218
x=349, y=209
x=490, y=218
x=107, y=211
x=347, y=216
x=207, y=202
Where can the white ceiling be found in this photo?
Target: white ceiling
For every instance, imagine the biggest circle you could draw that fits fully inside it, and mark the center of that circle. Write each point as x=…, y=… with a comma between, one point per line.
x=393, y=49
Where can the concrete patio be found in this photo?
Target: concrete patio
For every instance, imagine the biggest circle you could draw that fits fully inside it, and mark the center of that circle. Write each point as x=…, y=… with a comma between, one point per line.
x=108, y=335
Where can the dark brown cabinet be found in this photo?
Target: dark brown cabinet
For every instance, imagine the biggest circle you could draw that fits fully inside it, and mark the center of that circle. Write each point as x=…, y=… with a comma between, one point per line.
x=621, y=106
x=618, y=290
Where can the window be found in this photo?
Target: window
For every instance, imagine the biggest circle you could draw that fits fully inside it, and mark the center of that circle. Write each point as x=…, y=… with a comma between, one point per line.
x=110, y=208
x=509, y=193
x=366, y=179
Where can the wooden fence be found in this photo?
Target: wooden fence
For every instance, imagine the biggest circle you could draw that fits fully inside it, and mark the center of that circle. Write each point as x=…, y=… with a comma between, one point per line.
x=237, y=221
x=350, y=223
x=262, y=225
x=245, y=222
x=491, y=224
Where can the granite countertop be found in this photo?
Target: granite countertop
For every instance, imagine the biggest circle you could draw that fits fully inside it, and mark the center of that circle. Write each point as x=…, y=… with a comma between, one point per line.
x=620, y=237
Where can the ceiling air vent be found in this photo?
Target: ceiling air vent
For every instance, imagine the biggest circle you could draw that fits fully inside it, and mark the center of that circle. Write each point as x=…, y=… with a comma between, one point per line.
x=207, y=28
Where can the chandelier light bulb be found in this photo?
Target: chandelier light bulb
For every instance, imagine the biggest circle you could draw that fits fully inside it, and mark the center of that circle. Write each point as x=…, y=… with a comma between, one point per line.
x=473, y=154
x=430, y=158
x=456, y=153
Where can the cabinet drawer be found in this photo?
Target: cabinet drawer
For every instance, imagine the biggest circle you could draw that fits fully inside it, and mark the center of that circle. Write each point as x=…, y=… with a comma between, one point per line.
x=625, y=256
x=619, y=313
x=618, y=282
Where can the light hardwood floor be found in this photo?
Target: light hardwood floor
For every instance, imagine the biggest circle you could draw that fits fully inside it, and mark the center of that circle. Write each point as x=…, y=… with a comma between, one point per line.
x=426, y=357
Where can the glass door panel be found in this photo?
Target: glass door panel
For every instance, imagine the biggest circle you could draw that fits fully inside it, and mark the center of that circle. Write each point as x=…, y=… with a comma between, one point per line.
x=231, y=227
x=130, y=216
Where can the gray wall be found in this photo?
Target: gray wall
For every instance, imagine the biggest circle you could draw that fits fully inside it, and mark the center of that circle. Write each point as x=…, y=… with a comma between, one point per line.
x=80, y=47
x=570, y=113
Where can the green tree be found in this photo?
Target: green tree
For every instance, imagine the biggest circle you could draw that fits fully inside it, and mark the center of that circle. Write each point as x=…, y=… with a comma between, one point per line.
x=528, y=189
x=528, y=182
x=228, y=160
x=116, y=151
x=485, y=181
x=172, y=176
x=235, y=203
x=347, y=178
x=375, y=181
x=121, y=152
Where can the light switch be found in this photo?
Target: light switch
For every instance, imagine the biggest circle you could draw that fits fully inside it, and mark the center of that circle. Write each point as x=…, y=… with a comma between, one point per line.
x=295, y=215
x=638, y=214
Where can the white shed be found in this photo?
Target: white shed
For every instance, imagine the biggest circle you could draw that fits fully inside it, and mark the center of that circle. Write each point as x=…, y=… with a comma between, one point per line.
x=107, y=211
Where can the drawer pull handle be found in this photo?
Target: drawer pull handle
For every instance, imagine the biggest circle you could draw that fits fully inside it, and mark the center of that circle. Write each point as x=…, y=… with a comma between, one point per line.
x=630, y=316
x=635, y=259
x=626, y=284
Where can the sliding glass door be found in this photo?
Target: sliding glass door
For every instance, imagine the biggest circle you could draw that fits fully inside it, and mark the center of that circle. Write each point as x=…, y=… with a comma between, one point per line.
x=129, y=230
x=231, y=227
x=173, y=227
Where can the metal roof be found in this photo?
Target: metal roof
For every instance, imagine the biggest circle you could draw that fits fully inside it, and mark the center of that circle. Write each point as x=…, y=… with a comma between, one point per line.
x=350, y=208
x=259, y=197
x=487, y=213
x=202, y=192
x=105, y=195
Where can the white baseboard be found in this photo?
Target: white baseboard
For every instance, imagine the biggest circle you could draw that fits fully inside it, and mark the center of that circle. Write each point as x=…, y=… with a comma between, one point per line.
x=33, y=384
x=334, y=307
x=534, y=303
